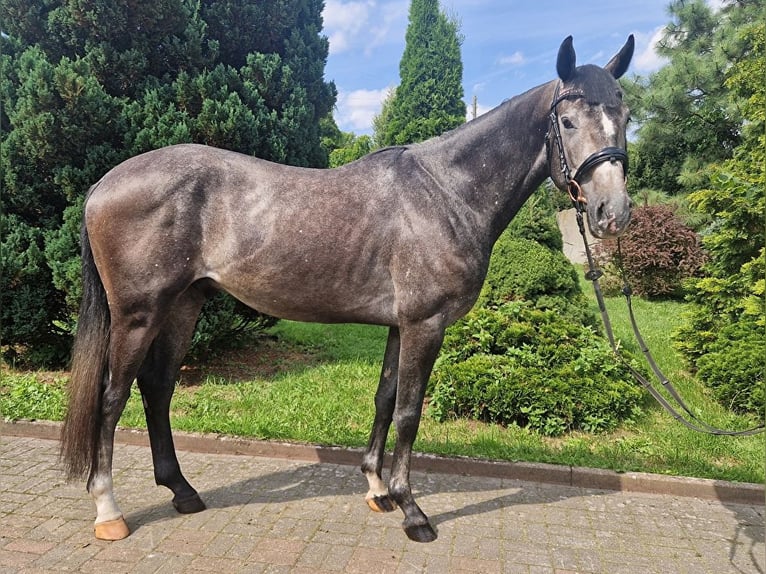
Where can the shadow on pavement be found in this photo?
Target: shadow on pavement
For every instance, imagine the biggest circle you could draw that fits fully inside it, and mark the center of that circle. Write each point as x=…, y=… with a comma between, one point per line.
x=322, y=480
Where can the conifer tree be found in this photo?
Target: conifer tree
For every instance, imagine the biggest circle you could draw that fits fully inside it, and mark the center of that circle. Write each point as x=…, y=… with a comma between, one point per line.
x=429, y=98
x=687, y=120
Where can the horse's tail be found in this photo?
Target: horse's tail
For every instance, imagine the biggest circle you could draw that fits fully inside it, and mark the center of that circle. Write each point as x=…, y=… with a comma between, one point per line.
x=80, y=433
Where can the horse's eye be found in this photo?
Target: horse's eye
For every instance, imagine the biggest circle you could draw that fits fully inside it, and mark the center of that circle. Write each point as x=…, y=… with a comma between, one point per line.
x=567, y=123
x=619, y=94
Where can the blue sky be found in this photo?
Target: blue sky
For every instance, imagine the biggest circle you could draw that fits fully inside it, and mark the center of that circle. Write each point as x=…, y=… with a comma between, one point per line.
x=509, y=46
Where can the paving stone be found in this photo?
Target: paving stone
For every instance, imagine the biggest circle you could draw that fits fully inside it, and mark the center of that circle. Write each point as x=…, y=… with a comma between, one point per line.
x=271, y=515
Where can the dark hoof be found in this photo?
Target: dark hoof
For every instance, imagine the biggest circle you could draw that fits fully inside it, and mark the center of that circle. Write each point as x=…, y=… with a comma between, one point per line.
x=381, y=504
x=189, y=505
x=420, y=532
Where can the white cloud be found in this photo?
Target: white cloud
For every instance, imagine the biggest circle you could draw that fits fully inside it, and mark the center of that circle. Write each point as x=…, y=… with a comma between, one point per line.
x=390, y=24
x=646, y=59
x=515, y=59
x=356, y=109
x=363, y=24
x=344, y=21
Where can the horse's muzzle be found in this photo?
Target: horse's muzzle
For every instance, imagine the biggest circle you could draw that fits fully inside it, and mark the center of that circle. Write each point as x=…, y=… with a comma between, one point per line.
x=609, y=218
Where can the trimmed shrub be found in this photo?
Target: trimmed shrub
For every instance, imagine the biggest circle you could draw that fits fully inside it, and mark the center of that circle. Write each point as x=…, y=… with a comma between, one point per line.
x=224, y=324
x=723, y=336
x=523, y=269
x=658, y=252
x=515, y=364
x=734, y=367
x=536, y=220
x=724, y=329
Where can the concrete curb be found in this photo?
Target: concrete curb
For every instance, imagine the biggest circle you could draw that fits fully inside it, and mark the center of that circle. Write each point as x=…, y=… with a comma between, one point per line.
x=723, y=491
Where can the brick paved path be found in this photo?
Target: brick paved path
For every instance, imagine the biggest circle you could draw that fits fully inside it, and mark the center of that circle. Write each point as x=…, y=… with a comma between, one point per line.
x=274, y=515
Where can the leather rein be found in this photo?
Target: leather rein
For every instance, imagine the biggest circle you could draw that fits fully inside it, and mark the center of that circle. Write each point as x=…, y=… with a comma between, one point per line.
x=612, y=154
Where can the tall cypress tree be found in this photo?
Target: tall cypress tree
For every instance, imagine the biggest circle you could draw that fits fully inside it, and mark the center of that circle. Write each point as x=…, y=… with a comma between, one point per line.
x=429, y=98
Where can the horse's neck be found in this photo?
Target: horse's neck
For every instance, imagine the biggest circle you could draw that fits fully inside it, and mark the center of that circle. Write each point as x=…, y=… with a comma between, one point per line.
x=495, y=162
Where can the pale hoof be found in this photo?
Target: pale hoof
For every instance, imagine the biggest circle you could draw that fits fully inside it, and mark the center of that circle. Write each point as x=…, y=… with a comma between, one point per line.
x=381, y=503
x=112, y=529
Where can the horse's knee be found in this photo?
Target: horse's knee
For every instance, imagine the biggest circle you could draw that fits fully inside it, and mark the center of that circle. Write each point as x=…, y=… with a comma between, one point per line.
x=407, y=424
x=385, y=399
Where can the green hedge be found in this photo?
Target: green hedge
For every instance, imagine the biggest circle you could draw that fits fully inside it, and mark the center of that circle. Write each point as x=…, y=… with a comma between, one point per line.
x=515, y=364
x=734, y=367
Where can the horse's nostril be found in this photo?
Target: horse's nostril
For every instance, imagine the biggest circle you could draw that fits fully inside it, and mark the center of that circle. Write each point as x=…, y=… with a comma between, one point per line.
x=601, y=211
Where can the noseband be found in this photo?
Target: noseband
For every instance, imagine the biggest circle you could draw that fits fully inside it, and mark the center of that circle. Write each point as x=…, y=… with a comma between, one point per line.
x=610, y=154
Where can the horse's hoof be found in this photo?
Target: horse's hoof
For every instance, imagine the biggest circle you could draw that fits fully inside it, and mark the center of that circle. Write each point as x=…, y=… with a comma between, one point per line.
x=112, y=529
x=420, y=532
x=189, y=505
x=381, y=503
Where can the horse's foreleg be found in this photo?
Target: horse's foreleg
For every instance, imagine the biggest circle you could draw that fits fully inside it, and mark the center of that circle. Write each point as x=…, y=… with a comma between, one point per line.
x=420, y=344
x=156, y=381
x=127, y=348
x=385, y=399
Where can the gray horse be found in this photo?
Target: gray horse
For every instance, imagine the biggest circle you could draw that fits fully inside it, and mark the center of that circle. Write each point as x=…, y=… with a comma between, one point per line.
x=401, y=237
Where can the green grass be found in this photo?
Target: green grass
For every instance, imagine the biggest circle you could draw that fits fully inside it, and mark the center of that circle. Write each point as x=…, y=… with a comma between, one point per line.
x=328, y=399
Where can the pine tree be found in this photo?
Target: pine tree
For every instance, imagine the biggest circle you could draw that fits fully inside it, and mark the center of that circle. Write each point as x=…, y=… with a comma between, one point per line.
x=687, y=120
x=429, y=98
x=289, y=32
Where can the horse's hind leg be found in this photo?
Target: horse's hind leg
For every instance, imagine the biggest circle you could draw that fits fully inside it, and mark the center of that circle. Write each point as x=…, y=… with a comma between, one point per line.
x=156, y=381
x=129, y=340
x=385, y=399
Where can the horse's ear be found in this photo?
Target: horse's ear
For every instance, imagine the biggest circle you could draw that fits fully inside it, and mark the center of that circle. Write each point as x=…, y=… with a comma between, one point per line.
x=618, y=65
x=567, y=60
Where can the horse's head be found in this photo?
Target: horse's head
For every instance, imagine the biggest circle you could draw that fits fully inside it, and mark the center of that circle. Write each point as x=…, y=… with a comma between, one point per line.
x=586, y=141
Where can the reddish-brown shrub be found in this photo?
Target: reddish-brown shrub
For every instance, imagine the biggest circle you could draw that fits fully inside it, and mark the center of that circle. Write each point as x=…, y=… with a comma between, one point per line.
x=658, y=251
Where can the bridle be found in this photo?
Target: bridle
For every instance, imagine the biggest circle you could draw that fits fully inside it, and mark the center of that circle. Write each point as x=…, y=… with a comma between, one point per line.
x=610, y=154
x=681, y=412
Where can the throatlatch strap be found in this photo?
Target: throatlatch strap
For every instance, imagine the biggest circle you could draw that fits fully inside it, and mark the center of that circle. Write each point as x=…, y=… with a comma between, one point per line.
x=693, y=422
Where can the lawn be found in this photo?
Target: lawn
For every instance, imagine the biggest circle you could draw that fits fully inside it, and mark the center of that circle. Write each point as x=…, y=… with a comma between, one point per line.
x=315, y=383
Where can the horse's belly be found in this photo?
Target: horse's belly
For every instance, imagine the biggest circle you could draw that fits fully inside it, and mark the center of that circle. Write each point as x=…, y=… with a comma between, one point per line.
x=304, y=295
